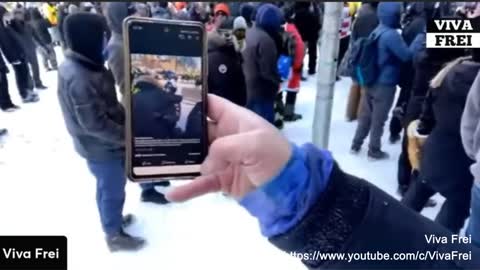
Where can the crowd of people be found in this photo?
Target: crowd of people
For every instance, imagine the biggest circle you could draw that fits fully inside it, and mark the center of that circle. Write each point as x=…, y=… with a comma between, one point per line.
x=245, y=42
x=256, y=53
x=434, y=108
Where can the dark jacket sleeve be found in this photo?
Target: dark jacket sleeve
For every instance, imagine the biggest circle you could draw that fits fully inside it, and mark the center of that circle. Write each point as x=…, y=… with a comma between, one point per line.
x=267, y=62
x=397, y=46
x=354, y=216
x=92, y=114
x=116, y=65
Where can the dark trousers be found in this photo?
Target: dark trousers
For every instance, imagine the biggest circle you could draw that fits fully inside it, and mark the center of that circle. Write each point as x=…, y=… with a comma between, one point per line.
x=263, y=107
x=404, y=167
x=375, y=105
x=312, y=55
x=5, y=100
x=22, y=78
x=454, y=211
x=406, y=84
x=290, y=103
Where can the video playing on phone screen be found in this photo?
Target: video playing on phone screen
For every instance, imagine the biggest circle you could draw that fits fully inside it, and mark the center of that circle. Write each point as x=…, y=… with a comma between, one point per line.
x=168, y=124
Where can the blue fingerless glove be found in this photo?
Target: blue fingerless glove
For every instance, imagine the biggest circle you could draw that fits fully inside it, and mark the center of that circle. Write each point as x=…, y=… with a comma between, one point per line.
x=281, y=203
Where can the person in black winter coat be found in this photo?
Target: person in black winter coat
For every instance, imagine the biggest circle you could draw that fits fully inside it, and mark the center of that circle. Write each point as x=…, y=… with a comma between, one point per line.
x=26, y=36
x=427, y=63
x=225, y=76
x=95, y=120
x=14, y=53
x=308, y=207
x=444, y=166
x=45, y=43
x=307, y=21
x=415, y=22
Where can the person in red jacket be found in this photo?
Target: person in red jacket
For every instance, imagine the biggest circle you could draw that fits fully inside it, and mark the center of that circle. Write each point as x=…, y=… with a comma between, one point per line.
x=296, y=49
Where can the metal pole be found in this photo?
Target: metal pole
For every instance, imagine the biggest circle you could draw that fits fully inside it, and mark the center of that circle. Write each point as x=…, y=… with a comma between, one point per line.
x=326, y=73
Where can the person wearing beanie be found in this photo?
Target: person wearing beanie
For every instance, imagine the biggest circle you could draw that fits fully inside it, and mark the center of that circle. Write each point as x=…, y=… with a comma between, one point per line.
x=179, y=11
x=116, y=12
x=246, y=11
x=260, y=61
x=96, y=122
x=239, y=31
x=221, y=13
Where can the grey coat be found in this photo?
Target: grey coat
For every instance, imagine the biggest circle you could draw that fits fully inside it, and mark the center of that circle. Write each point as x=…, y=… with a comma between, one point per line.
x=260, y=65
x=470, y=127
x=93, y=116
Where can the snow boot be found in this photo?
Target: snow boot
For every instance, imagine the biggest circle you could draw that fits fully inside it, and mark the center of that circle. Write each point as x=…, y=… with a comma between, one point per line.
x=40, y=87
x=31, y=98
x=3, y=132
x=124, y=242
x=151, y=195
x=290, y=114
x=377, y=154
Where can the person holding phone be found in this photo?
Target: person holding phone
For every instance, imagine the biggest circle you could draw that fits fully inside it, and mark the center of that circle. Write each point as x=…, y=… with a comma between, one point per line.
x=305, y=202
x=116, y=12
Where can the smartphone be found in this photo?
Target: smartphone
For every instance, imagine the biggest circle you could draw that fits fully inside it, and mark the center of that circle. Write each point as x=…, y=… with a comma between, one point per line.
x=166, y=123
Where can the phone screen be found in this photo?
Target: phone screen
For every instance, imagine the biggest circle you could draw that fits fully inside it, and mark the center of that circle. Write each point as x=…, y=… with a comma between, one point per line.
x=168, y=125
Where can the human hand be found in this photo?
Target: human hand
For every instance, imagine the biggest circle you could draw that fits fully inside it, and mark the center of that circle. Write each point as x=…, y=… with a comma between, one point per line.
x=245, y=152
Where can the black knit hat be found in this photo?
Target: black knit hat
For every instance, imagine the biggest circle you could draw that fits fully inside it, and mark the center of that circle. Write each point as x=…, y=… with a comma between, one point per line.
x=84, y=34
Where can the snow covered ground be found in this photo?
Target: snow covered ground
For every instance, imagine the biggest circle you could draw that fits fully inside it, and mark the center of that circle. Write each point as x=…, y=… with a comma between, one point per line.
x=46, y=189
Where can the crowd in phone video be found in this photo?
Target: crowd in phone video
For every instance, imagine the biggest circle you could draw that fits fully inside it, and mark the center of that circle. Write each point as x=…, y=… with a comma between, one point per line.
x=255, y=60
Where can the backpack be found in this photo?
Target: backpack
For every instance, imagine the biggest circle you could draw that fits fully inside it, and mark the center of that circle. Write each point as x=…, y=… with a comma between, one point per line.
x=363, y=60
